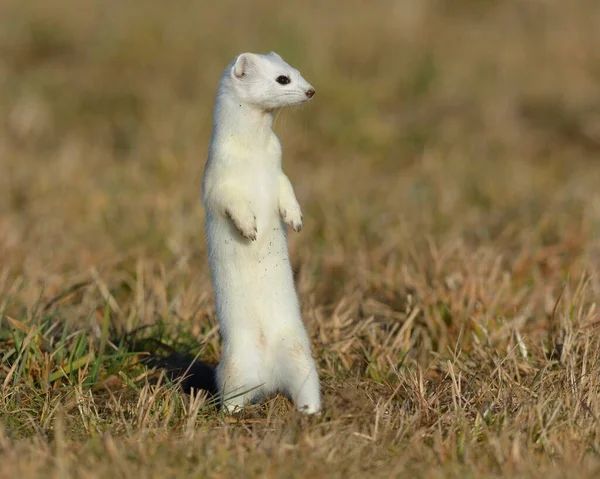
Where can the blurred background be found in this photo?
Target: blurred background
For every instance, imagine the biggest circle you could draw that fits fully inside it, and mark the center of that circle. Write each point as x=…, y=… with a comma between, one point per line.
x=434, y=121
x=448, y=170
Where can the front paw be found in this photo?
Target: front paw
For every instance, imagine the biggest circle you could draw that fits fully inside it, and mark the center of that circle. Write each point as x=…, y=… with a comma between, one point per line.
x=245, y=224
x=292, y=217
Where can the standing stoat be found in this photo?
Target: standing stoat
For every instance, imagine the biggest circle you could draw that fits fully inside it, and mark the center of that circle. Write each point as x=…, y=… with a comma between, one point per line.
x=248, y=202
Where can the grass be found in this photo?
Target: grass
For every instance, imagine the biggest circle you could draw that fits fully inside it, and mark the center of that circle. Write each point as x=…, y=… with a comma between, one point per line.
x=448, y=268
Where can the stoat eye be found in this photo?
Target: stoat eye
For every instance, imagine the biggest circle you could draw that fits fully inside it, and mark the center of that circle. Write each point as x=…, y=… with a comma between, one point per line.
x=283, y=80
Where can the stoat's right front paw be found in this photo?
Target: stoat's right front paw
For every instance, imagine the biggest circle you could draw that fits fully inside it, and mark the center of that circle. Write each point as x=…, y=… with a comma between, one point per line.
x=244, y=223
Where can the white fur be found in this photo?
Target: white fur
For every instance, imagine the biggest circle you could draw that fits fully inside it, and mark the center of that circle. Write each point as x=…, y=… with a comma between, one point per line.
x=248, y=202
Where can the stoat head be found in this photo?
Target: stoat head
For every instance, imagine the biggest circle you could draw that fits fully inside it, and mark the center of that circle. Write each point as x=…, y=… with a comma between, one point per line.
x=268, y=82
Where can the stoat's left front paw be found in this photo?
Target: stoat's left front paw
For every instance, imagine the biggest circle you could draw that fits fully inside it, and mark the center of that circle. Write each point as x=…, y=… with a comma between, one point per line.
x=292, y=216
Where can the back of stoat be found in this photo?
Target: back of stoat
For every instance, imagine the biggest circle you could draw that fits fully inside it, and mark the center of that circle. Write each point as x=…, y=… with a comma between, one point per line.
x=249, y=204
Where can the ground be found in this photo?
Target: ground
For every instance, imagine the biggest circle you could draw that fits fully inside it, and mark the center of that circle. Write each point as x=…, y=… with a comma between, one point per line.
x=448, y=270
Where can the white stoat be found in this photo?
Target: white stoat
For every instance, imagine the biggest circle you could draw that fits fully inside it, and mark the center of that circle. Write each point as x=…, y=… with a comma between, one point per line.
x=248, y=202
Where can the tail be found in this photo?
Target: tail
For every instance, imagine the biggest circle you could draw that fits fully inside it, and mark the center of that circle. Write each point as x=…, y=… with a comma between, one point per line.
x=184, y=368
x=190, y=372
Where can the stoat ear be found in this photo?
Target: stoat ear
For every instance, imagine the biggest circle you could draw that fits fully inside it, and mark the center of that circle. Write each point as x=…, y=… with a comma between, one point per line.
x=273, y=54
x=242, y=65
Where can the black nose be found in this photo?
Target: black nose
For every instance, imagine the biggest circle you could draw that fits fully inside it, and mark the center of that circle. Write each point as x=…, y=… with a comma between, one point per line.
x=310, y=93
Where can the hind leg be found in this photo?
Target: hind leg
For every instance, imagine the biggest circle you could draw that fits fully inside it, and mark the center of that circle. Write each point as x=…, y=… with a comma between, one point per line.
x=306, y=392
x=239, y=383
x=299, y=378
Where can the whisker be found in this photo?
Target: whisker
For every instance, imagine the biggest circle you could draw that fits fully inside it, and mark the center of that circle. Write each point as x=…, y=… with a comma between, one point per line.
x=277, y=115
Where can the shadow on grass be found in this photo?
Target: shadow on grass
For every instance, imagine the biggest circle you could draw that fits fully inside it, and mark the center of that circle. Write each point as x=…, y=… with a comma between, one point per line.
x=181, y=367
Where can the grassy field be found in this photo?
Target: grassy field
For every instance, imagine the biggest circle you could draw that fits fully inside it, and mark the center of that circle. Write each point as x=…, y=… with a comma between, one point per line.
x=449, y=266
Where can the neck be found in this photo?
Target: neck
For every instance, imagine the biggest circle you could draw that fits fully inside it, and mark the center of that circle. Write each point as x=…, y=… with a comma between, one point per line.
x=244, y=122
